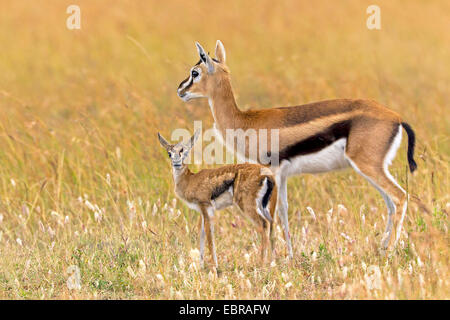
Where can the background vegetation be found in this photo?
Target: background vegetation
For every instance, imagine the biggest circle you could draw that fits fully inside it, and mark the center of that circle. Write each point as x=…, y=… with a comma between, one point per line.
x=84, y=182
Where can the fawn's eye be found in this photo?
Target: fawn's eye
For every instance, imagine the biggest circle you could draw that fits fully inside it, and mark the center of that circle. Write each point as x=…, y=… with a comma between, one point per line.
x=170, y=155
x=194, y=74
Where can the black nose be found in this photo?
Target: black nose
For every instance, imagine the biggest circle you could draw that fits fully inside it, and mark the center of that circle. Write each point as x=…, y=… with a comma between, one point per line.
x=181, y=94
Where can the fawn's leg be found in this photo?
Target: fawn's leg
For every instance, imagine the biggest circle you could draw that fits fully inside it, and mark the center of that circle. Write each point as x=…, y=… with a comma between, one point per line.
x=202, y=240
x=273, y=213
x=265, y=241
x=249, y=208
x=208, y=216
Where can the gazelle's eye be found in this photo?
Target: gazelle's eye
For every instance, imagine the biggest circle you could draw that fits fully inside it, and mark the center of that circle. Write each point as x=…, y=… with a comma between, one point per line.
x=181, y=151
x=170, y=155
x=194, y=74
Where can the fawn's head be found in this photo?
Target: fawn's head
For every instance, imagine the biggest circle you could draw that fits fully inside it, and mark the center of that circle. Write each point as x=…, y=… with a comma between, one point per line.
x=180, y=151
x=206, y=75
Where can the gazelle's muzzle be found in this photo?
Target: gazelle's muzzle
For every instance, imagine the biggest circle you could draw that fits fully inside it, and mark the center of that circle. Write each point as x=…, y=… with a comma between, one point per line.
x=177, y=164
x=184, y=87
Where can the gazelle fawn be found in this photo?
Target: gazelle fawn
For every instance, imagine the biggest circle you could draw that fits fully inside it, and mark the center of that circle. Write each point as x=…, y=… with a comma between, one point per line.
x=251, y=187
x=313, y=138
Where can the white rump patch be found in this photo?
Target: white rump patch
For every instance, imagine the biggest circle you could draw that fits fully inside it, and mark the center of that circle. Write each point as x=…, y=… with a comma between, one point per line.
x=263, y=212
x=390, y=155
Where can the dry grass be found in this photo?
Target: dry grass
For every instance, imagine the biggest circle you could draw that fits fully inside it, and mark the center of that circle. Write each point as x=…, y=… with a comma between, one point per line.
x=80, y=111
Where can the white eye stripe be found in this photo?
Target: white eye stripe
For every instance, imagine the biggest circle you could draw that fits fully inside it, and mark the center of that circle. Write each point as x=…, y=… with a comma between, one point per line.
x=190, y=80
x=197, y=78
x=185, y=84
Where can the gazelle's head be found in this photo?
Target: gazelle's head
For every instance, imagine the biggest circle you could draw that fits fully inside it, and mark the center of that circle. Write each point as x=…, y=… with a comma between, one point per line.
x=180, y=151
x=205, y=75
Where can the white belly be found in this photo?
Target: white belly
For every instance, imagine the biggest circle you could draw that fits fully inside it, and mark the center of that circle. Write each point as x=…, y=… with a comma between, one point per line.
x=328, y=159
x=221, y=202
x=224, y=200
x=192, y=205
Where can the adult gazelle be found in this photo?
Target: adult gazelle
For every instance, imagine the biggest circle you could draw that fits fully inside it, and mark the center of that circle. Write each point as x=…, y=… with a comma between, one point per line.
x=316, y=137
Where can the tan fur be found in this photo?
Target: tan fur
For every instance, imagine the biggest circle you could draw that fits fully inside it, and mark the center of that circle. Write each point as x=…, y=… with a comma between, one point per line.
x=371, y=125
x=295, y=123
x=197, y=190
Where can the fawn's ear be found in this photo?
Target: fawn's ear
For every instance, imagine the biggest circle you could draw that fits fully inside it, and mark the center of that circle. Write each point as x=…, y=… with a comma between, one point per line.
x=205, y=58
x=194, y=138
x=163, y=142
x=221, y=56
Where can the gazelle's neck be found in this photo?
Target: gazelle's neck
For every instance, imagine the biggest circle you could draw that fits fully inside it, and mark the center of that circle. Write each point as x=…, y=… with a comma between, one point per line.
x=180, y=173
x=223, y=106
x=181, y=180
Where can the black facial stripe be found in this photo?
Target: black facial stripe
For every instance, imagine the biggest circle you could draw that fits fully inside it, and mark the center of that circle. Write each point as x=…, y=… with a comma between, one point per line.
x=183, y=82
x=317, y=142
x=189, y=85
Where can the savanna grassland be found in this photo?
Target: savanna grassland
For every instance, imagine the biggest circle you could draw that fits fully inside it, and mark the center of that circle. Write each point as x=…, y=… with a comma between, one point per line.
x=84, y=184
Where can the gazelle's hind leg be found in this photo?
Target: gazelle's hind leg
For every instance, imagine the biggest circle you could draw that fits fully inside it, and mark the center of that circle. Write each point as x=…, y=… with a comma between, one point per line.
x=393, y=196
x=369, y=164
x=273, y=212
x=249, y=208
x=265, y=240
x=270, y=210
x=257, y=201
x=282, y=207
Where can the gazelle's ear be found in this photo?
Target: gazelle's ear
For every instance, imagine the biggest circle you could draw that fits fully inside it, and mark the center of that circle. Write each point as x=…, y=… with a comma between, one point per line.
x=205, y=58
x=193, y=139
x=220, y=52
x=163, y=142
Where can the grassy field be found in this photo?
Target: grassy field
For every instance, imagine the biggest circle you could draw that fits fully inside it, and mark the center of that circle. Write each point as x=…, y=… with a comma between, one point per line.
x=84, y=182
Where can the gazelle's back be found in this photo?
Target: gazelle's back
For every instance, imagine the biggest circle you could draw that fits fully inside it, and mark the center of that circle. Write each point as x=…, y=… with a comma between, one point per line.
x=209, y=184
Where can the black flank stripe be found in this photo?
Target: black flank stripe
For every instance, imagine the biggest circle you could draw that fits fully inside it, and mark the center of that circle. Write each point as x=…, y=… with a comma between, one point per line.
x=317, y=142
x=222, y=188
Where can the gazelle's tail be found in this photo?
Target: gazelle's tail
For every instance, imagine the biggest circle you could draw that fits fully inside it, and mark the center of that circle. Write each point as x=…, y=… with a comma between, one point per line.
x=411, y=145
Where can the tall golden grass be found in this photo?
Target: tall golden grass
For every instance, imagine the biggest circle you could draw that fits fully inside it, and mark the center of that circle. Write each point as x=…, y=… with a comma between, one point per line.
x=84, y=183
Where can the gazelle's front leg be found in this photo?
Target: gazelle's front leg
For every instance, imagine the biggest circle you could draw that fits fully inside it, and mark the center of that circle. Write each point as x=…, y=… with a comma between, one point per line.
x=283, y=211
x=202, y=241
x=208, y=218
